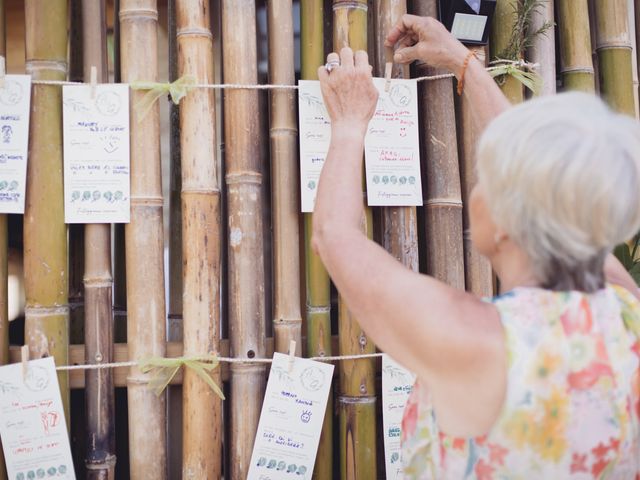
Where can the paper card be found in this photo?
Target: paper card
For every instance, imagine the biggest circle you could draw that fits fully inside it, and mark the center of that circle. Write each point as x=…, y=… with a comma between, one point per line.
x=96, y=154
x=291, y=419
x=15, y=101
x=392, y=149
x=397, y=383
x=32, y=424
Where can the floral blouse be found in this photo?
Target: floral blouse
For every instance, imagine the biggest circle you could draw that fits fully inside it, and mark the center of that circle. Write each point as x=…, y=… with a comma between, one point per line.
x=572, y=405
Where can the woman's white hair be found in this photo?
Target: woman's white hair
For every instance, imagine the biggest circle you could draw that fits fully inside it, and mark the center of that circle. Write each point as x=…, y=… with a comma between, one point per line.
x=561, y=175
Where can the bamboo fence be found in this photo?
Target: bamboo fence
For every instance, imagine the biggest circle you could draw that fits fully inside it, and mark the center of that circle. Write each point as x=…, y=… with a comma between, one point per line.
x=227, y=207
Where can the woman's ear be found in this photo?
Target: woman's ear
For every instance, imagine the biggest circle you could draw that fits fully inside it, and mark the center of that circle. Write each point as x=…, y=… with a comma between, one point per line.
x=499, y=236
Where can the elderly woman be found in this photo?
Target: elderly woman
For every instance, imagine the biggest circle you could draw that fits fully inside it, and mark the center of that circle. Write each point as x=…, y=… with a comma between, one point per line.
x=542, y=381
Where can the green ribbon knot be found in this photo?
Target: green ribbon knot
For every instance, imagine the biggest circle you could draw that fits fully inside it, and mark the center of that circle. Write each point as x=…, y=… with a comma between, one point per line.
x=529, y=79
x=164, y=369
x=177, y=90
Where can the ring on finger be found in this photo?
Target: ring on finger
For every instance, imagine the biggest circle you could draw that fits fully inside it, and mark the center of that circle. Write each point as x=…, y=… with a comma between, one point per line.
x=331, y=65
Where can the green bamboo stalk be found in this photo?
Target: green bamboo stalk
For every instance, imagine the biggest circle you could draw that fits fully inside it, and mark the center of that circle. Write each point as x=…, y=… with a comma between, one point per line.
x=504, y=19
x=575, y=45
x=45, y=233
x=614, y=50
x=543, y=50
x=357, y=401
x=634, y=56
x=318, y=314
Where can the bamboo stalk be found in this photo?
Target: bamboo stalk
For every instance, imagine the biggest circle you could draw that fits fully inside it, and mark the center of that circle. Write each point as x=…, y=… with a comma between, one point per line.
x=45, y=233
x=287, y=320
x=202, y=409
x=175, y=329
x=614, y=50
x=4, y=253
x=245, y=247
x=98, y=283
x=631, y=9
x=575, y=45
x=543, y=50
x=400, y=232
x=144, y=244
x=505, y=17
x=357, y=399
x=443, y=196
x=318, y=313
x=478, y=274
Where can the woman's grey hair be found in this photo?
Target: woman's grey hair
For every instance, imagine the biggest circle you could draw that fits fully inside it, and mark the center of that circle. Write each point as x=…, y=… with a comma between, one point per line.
x=561, y=175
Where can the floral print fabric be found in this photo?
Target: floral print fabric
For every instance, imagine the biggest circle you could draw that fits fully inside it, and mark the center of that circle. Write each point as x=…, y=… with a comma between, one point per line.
x=572, y=404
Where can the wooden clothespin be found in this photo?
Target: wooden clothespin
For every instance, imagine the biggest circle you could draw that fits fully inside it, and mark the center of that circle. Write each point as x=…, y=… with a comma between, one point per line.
x=94, y=81
x=388, y=67
x=24, y=359
x=3, y=71
x=292, y=354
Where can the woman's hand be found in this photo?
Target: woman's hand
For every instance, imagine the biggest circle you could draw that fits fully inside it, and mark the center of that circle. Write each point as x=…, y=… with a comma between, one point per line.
x=426, y=39
x=348, y=91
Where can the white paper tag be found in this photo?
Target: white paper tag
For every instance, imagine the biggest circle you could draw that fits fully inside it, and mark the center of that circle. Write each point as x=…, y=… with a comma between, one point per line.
x=15, y=101
x=32, y=424
x=392, y=149
x=468, y=27
x=397, y=383
x=96, y=154
x=291, y=419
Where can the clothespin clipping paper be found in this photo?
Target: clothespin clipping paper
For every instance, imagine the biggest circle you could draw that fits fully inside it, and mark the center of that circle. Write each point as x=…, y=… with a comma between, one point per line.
x=24, y=359
x=94, y=81
x=292, y=354
x=388, y=67
x=3, y=71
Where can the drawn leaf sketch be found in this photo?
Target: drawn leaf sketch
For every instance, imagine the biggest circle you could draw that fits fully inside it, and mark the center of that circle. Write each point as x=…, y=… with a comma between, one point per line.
x=313, y=102
x=75, y=105
x=283, y=375
x=396, y=373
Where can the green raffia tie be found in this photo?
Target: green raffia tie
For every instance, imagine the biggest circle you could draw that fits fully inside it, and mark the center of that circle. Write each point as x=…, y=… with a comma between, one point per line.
x=177, y=90
x=531, y=80
x=167, y=368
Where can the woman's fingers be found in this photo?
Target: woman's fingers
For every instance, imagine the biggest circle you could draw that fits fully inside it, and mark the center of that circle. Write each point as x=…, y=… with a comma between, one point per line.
x=407, y=54
x=361, y=59
x=405, y=25
x=346, y=58
x=333, y=57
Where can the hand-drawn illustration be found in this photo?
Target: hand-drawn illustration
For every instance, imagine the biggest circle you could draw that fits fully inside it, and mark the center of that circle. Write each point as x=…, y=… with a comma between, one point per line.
x=49, y=420
x=305, y=417
x=108, y=196
x=12, y=93
x=13, y=185
x=301, y=470
x=96, y=195
x=281, y=465
x=75, y=195
x=261, y=462
x=7, y=388
x=313, y=101
x=75, y=105
x=37, y=378
x=312, y=378
x=7, y=133
x=108, y=103
x=40, y=473
x=400, y=95
x=282, y=374
x=292, y=468
x=272, y=464
x=3, y=185
x=110, y=143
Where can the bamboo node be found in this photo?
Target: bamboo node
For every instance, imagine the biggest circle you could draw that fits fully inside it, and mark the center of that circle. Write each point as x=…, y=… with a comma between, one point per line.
x=138, y=13
x=31, y=311
x=194, y=32
x=34, y=66
x=243, y=177
x=350, y=5
x=356, y=400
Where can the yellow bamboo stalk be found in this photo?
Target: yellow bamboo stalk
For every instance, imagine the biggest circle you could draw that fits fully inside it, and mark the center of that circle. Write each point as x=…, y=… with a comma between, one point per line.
x=144, y=244
x=45, y=233
x=478, y=274
x=245, y=247
x=442, y=189
x=543, y=50
x=575, y=45
x=318, y=314
x=614, y=50
x=287, y=319
x=357, y=378
x=202, y=409
x=631, y=9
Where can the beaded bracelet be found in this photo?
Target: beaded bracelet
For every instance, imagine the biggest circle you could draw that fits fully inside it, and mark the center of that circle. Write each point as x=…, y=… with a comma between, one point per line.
x=464, y=70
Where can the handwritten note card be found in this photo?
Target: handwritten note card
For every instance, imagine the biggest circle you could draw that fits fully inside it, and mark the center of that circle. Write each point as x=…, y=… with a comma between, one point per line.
x=291, y=419
x=32, y=425
x=15, y=101
x=392, y=149
x=397, y=383
x=96, y=154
